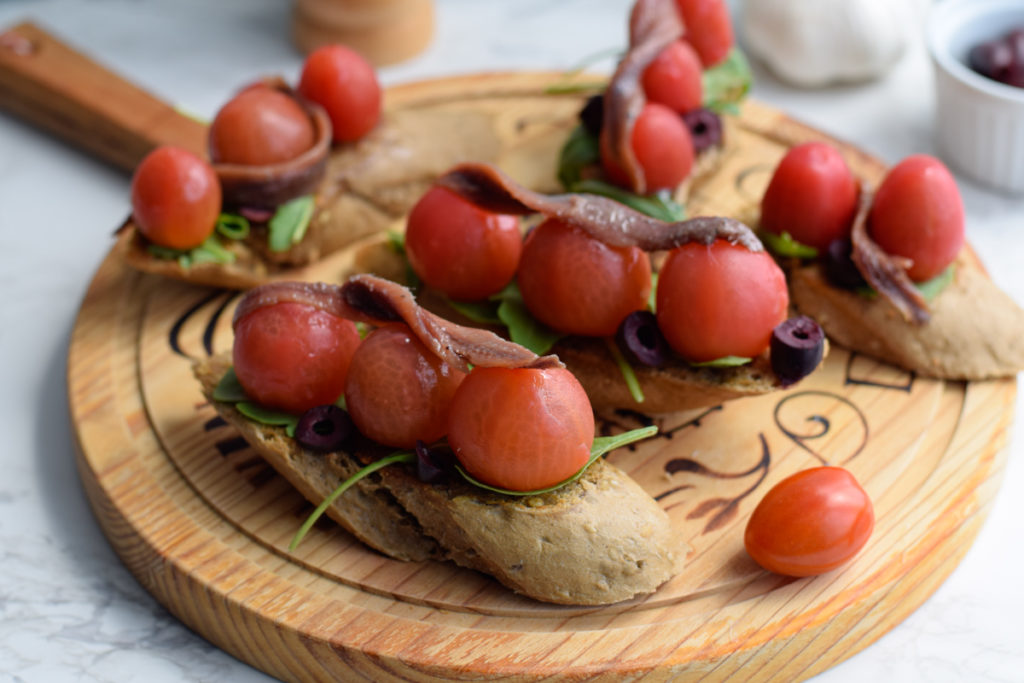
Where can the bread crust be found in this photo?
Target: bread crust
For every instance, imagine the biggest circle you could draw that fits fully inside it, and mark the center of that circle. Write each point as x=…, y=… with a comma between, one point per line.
x=976, y=330
x=596, y=541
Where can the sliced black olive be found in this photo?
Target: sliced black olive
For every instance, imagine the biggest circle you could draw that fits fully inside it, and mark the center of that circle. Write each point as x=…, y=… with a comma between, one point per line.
x=324, y=428
x=705, y=128
x=840, y=270
x=641, y=340
x=592, y=115
x=432, y=464
x=797, y=347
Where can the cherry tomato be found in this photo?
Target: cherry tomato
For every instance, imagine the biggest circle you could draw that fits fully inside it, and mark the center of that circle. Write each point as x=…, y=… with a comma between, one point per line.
x=397, y=391
x=917, y=213
x=674, y=78
x=461, y=250
x=521, y=429
x=293, y=356
x=574, y=283
x=812, y=196
x=345, y=85
x=708, y=27
x=175, y=198
x=260, y=126
x=663, y=148
x=810, y=523
x=720, y=300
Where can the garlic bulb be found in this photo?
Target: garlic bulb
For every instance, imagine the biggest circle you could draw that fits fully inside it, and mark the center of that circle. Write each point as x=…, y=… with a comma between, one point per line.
x=812, y=43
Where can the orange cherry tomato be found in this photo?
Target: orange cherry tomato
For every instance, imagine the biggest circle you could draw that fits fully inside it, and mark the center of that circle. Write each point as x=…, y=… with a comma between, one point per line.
x=674, y=78
x=810, y=523
x=397, y=391
x=574, y=283
x=812, y=196
x=293, y=356
x=176, y=198
x=708, y=27
x=521, y=429
x=663, y=148
x=345, y=85
x=917, y=212
x=260, y=126
x=720, y=300
x=459, y=249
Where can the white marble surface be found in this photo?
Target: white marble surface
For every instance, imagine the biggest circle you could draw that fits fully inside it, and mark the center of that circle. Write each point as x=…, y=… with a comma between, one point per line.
x=69, y=611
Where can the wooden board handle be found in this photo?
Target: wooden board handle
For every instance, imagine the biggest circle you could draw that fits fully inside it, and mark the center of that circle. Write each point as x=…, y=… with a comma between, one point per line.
x=49, y=84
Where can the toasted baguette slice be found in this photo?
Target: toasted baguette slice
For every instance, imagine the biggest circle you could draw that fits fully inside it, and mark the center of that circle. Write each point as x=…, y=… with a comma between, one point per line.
x=596, y=541
x=976, y=331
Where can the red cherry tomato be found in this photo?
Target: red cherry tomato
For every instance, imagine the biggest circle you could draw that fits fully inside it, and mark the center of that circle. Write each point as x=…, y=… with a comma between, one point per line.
x=810, y=523
x=708, y=27
x=259, y=126
x=917, y=213
x=574, y=283
x=812, y=196
x=521, y=429
x=345, y=85
x=397, y=391
x=720, y=300
x=663, y=148
x=461, y=250
x=175, y=198
x=674, y=78
x=293, y=356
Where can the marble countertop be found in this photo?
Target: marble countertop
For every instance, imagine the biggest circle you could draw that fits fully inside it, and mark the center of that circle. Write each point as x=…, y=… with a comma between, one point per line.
x=69, y=611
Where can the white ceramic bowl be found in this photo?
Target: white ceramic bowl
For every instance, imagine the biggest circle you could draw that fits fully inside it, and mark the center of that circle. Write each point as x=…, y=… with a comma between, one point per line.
x=979, y=122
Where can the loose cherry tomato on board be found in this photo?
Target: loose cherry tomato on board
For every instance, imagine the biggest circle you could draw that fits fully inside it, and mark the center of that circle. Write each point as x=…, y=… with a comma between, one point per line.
x=812, y=195
x=521, y=429
x=293, y=356
x=574, y=283
x=719, y=300
x=663, y=148
x=674, y=78
x=708, y=27
x=459, y=249
x=397, y=391
x=260, y=126
x=176, y=198
x=345, y=85
x=917, y=213
x=810, y=523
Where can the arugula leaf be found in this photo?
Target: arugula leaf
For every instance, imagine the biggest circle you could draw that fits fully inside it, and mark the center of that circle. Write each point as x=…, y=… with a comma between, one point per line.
x=659, y=205
x=396, y=242
x=601, y=445
x=523, y=328
x=210, y=251
x=268, y=416
x=785, y=245
x=229, y=389
x=628, y=374
x=288, y=225
x=931, y=288
x=581, y=150
x=400, y=457
x=727, y=83
x=723, y=362
x=483, y=312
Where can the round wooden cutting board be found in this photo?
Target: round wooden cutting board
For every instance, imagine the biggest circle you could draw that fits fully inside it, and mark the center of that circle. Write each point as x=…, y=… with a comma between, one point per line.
x=204, y=524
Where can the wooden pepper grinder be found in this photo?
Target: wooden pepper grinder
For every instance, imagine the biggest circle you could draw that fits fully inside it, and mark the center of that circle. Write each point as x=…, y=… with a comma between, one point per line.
x=383, y=31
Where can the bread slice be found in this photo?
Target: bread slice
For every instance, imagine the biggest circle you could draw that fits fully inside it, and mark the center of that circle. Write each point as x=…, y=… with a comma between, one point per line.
x=599, y=540
x=976, y=330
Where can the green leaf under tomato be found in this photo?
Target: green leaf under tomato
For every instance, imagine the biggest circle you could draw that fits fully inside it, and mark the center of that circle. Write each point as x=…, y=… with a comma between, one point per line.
x=482, y=312
x=784, y=245
x=210, y=251
x=268, y=416
x=288, y=224
x=229, y=389
x=628, y=374
x=931, y=288
x=523, y=328
x=727, y=83
x=601, y=445
x=723, y=362
x=659, y=205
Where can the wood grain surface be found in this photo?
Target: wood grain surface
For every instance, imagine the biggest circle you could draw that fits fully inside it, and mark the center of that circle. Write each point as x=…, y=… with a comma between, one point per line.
x=204, y=524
